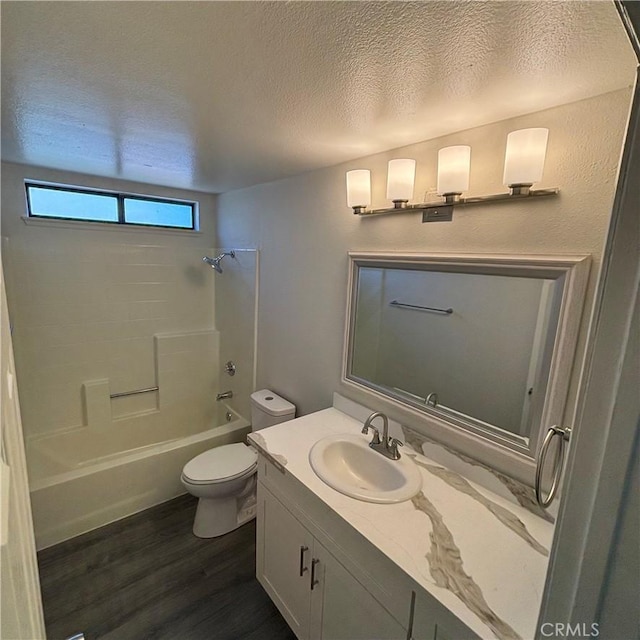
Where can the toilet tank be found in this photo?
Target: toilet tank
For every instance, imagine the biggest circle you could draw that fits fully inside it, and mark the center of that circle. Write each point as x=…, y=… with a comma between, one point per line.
x=268, y=408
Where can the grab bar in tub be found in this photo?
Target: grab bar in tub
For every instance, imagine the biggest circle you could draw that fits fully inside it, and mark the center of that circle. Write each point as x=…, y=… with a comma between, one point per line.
x=133, y=393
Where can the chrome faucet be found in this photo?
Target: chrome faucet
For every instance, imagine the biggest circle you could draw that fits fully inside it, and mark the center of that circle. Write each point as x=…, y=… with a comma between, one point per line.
x=387, y=446
x=226, y=395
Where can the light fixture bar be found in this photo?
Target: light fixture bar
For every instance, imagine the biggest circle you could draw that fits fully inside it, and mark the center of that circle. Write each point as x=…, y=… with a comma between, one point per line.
x=500, y=197
x=444, y=211
x=428, y=208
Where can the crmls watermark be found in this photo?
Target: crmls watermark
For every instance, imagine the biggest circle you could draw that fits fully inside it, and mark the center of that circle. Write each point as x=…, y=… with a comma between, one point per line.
x=567, y=630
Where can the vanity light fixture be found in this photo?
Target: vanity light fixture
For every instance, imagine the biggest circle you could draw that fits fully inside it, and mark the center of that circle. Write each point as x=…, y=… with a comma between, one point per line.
x=401, y=175
x=454, y=164
x=524, y=159
x=359, y=190
x=524, y=162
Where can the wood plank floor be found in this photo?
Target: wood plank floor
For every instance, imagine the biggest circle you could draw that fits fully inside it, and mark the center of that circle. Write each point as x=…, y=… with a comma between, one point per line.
x=148, y=576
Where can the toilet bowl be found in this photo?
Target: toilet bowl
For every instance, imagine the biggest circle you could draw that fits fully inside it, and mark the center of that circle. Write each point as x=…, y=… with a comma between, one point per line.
x=220, y=478
x=224, y=478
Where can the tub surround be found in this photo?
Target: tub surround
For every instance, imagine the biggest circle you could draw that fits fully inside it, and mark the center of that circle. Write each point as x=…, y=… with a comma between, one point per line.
x=479, y=552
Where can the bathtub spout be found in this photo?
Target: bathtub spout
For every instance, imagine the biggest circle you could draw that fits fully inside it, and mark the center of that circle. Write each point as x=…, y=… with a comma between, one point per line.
x=224, y=396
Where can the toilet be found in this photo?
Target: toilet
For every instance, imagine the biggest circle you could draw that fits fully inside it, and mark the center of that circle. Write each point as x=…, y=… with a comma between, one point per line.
x=224, y=478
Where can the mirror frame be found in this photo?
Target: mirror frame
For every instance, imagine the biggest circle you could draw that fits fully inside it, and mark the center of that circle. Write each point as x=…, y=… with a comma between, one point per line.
x=571, y=270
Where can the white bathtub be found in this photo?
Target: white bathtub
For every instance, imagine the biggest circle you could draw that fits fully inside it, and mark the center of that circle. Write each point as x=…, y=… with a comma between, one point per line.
x=80, y=480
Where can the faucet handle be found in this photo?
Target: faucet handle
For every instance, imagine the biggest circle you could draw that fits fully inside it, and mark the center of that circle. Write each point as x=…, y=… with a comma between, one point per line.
x=392, y=447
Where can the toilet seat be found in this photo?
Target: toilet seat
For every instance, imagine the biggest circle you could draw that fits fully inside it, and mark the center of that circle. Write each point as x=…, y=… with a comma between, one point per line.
x=227, y=462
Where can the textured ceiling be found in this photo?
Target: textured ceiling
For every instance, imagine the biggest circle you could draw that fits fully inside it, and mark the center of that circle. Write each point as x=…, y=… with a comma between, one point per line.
x=220, y=95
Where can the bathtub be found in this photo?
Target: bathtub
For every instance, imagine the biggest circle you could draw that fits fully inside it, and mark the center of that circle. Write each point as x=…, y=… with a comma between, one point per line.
x=80, y=480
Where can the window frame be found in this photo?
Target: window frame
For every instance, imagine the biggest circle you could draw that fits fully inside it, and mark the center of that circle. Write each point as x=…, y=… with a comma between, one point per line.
x=120, y=198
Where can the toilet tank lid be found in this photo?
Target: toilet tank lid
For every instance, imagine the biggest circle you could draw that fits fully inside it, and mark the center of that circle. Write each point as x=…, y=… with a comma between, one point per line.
x=272, y=403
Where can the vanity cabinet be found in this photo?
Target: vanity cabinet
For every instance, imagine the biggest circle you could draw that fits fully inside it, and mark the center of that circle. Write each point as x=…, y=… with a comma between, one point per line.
x=328, y=581
x=317, y=596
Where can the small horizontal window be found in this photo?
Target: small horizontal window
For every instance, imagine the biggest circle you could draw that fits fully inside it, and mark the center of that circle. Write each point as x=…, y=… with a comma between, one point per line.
x=70, y=203
x=158, y=213
x=45, y=202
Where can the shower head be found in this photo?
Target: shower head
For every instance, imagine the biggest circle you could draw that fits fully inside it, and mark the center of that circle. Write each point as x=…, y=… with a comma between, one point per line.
x=214, y=263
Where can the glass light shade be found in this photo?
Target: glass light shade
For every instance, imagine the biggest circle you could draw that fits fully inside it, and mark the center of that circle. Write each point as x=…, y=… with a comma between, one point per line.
x=454, y=164
x=359, y=188
x=524, y=157
x=400, y=178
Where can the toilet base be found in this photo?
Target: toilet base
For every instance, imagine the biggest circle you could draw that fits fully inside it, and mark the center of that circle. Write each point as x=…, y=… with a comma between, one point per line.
x=217, y=516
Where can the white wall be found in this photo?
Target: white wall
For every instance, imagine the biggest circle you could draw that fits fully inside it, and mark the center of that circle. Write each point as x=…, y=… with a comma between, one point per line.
x=304, y=230
x=86, y=301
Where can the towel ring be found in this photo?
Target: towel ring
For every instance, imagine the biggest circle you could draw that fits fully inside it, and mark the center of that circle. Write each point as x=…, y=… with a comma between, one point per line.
x=565, y=434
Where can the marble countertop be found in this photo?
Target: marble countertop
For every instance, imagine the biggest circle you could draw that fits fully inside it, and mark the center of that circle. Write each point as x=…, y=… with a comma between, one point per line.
x=470, y=537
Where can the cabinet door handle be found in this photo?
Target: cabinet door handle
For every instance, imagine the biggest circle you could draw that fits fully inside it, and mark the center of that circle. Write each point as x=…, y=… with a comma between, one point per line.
x=412, y=611
x=314, y=582
x=302, y=567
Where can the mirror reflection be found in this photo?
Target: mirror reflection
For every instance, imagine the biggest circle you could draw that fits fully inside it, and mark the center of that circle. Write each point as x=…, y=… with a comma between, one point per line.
x=474, y=346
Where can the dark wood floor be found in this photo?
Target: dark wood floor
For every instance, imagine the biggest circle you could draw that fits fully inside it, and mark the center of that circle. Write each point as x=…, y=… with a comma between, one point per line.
x=148, y=576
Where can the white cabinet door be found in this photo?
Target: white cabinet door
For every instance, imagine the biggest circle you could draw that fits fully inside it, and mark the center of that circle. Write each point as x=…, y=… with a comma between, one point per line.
x=342, y=609
x=283, y=564
x=432, y=621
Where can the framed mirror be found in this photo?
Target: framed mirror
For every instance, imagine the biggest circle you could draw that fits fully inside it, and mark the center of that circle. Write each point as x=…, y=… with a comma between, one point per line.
x=482, y=343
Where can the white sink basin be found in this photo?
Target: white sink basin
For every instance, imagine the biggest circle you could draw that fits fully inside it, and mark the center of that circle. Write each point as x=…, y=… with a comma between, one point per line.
x=347, y=464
